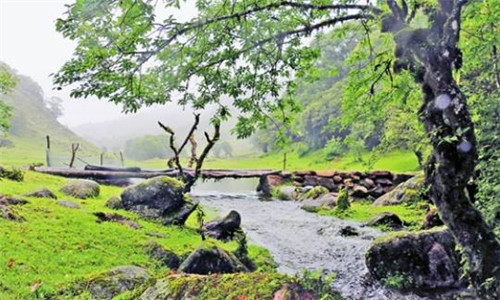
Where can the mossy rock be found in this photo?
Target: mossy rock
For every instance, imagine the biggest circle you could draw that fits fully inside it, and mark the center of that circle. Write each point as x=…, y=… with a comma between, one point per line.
x=114, y=203
x=316, y=191
x=42, y=193
x=109, y=284
x=226, y=286
x=159, y=198
x=420, y=261
x=210, y=259
x=81, y=188
x=407, y=192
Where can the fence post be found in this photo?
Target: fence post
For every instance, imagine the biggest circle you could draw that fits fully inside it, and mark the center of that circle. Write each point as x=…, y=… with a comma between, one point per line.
x=121, y=159
x=47, y=152
x=102, y=158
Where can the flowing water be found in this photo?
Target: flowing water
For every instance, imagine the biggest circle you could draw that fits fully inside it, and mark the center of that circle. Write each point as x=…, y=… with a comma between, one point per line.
x=300, y=240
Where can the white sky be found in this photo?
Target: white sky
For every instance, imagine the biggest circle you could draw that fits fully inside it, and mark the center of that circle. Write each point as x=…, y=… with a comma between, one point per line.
x=30, y=44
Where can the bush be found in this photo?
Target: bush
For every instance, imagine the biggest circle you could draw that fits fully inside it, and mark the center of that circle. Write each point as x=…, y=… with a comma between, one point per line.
x=343, y=200
x=13, y=174
x=334, y=148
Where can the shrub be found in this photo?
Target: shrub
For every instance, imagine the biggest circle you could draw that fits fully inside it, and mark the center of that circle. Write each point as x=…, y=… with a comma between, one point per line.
x=13, y=174
x=343, y=200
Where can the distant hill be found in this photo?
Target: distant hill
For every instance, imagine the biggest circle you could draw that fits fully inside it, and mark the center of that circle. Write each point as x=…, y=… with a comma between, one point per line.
x=113, y=134
x=32, y=121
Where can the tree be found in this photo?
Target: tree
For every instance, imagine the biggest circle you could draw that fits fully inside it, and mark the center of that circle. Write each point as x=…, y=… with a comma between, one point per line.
x=7, y=82
x=251, y=52
x=54, y=104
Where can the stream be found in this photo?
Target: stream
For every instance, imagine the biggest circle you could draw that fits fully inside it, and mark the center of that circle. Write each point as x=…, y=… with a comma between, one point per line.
x=298, y=239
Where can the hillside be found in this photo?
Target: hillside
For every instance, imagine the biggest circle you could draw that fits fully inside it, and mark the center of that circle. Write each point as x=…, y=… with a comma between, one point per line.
x=31, y=122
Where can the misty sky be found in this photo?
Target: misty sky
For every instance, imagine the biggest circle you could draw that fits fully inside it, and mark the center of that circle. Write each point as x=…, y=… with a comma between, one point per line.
x=30, y=44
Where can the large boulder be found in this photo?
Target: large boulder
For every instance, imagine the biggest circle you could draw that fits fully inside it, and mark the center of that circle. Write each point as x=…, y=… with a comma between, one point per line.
x=158, y=198
x=406, y=192
x=81, y=188
x=210, y=259
x=224, y=229
x=417, y=261
x=116, y=281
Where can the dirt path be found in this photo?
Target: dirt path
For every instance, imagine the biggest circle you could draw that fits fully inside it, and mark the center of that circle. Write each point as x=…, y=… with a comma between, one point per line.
x=300, y=240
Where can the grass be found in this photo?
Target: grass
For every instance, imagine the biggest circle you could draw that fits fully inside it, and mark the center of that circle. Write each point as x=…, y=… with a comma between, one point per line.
x=397, y=161
x=58, y=245
x=412, y=215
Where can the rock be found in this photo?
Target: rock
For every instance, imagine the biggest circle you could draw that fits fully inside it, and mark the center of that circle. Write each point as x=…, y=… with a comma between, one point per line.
x=42, y=193
x=420, y=261
x=377, y=191
x=6, y=200
x=81, y=188
x=209, y=259
x=293, y=291
x=285, y=193
x=348, y=231
x=432, y=219
x=328, y=174
x=264, y=187
x=406, y=192
x=112, y=217
x=304, y=173
x=348, y=183
x=275, y=180
x=166, y=257
x=359, y=191
x=380, y=174
x=114, y=203
x=368, y=183
x=9, y=214
x=69, y=204
x=224, y=229
x=327, y=183
x=324, y=201
x=387, y=219
x=116, y=281
x=311, y=180
x=383, y=181
x=337, y=179
x=159, y=198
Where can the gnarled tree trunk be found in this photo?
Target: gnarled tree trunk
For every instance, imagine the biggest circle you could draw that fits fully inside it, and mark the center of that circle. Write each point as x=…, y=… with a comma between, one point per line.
x=431, y=55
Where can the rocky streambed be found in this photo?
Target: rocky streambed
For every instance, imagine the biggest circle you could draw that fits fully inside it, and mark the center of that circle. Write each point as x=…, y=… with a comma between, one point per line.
x=300, y=240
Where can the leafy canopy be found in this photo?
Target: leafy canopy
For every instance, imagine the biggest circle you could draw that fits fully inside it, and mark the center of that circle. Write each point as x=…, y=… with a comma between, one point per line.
x=136, y=53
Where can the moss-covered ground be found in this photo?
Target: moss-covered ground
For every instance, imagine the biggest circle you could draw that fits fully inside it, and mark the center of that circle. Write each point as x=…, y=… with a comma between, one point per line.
x=57, y=245
x=413, y=215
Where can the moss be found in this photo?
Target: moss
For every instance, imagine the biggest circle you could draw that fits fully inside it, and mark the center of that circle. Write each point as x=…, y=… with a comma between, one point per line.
x=343, y=200
x=173, y=182
x=228, y=286
x=398, y=281
x=276, y=193
x=316, y=191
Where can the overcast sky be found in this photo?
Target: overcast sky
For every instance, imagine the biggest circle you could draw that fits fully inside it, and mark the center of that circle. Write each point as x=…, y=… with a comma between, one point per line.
x=30, y=44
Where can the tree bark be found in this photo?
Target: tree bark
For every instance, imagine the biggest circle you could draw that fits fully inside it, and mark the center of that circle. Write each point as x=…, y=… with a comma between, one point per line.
x=431, y=55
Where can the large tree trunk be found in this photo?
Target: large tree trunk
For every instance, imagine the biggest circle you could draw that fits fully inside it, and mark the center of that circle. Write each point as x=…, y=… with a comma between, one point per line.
x=448, y=172
x=431, y=55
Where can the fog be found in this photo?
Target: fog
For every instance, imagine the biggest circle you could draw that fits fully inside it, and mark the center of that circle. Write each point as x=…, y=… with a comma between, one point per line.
x=30, y=44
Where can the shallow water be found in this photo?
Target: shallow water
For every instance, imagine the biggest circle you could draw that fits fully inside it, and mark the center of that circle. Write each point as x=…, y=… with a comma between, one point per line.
x=300, y=240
